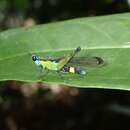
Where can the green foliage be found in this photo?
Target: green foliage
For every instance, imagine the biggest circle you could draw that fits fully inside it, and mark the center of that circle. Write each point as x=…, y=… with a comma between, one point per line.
x=107, y=37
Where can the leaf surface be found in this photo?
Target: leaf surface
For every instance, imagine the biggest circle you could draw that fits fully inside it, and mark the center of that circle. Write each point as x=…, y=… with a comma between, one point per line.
x=107, y=37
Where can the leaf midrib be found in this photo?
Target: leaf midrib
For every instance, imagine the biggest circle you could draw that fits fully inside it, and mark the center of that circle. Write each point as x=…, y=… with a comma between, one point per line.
x=60, y=50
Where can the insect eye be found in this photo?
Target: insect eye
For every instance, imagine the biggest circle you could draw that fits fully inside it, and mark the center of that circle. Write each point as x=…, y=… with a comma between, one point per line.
x=34, y=58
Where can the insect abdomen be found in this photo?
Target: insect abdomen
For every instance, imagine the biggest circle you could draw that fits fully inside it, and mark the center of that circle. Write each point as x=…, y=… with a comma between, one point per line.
x=75, y=70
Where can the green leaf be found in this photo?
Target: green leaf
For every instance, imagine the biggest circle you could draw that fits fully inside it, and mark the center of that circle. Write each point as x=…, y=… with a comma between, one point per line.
x=107, y=37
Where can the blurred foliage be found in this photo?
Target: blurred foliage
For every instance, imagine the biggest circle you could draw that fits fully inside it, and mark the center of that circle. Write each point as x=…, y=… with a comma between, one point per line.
x=13, y=13
x=61, y=108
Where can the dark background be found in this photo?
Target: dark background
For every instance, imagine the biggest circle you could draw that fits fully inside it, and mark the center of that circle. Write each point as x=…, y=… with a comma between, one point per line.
x=56, y=107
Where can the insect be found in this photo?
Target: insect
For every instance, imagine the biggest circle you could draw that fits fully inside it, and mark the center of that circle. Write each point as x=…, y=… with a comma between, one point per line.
x=65, y=64
x=60, y=64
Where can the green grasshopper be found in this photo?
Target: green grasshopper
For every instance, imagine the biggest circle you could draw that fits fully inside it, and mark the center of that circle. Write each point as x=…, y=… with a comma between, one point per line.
x=59, y=64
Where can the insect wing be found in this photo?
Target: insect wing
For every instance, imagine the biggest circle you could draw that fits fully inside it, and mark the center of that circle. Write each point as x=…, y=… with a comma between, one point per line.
x=83, y=61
